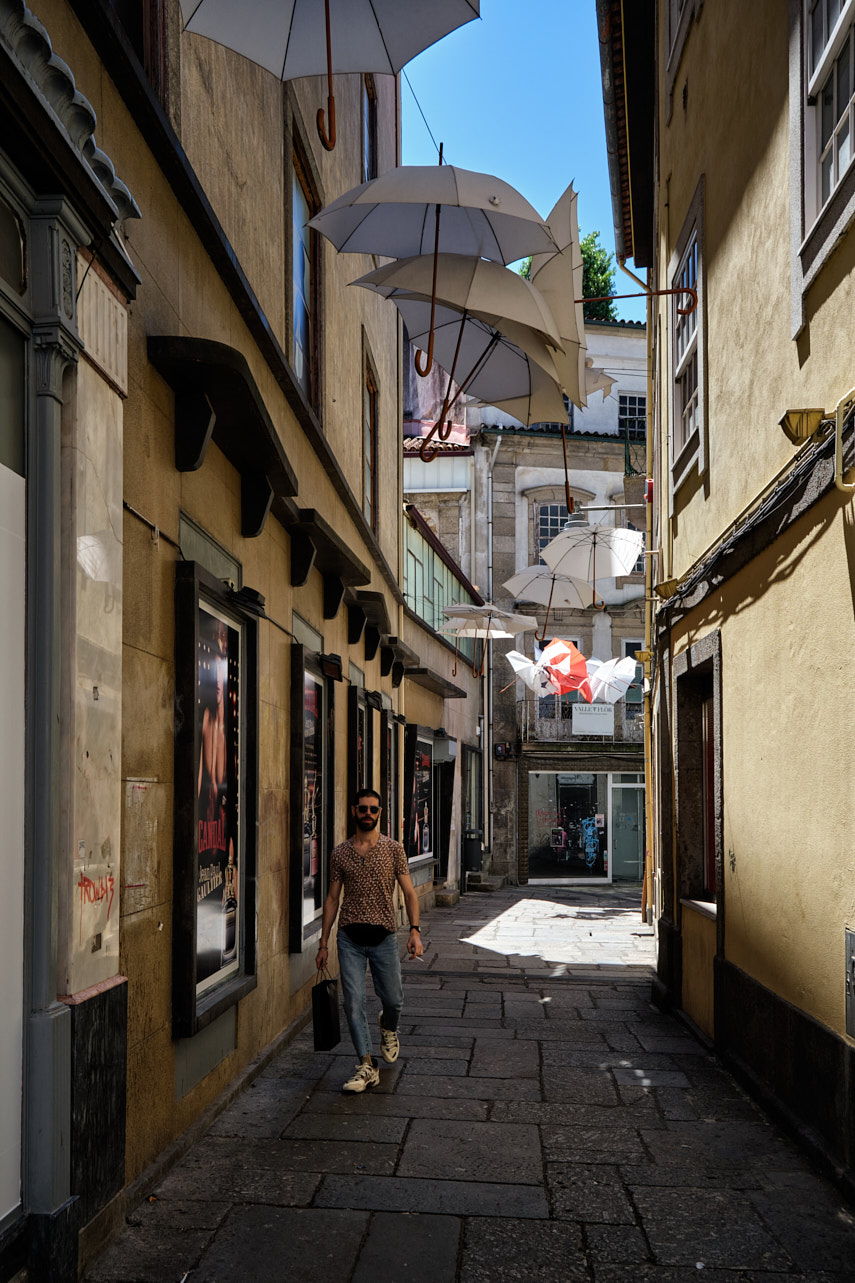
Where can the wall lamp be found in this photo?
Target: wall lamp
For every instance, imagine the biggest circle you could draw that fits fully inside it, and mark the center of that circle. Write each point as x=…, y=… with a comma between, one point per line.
x=331, y=666
x=800, y=425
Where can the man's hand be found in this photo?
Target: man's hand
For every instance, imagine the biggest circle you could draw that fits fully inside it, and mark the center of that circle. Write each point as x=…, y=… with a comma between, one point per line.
x=321, y=958
x=414, y=945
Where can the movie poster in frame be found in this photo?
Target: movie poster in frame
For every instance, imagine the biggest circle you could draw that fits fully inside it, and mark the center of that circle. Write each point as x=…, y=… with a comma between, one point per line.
x=215, y=800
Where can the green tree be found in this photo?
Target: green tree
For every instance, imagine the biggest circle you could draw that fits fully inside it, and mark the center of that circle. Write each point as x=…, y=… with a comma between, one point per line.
x=598, y=277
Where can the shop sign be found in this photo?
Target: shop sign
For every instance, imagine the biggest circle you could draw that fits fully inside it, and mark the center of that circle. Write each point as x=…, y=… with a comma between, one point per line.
x=593, y=719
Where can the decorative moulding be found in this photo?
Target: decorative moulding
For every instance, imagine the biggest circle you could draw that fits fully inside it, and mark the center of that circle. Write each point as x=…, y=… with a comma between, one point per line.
x=51, y=79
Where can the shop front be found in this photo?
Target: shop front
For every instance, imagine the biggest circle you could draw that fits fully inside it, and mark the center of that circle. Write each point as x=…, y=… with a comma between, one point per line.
x=583, y=826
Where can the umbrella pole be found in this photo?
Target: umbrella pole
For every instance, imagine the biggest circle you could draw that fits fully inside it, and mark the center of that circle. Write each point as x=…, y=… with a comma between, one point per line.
x=447, y=400
x=328, y=140
x=571, y=505
x=429, y=354
x=540, y=640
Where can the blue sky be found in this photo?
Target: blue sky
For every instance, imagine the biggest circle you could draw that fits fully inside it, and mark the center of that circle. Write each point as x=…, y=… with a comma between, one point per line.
x=518, y=94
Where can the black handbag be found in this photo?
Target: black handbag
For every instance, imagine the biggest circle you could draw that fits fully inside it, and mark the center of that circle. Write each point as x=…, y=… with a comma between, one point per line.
x=325, y=1021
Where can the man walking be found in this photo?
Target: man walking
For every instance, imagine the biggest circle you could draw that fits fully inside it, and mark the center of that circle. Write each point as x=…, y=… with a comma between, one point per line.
x=367, y=865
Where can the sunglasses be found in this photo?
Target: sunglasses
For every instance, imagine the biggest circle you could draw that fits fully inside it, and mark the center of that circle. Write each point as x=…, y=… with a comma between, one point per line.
x=368, y=810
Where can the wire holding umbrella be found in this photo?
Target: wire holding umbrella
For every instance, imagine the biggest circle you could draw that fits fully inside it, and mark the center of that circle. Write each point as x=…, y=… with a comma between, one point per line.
x=294, y=38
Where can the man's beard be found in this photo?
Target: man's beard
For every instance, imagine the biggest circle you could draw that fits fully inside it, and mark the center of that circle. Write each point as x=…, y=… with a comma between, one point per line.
x=367, y=822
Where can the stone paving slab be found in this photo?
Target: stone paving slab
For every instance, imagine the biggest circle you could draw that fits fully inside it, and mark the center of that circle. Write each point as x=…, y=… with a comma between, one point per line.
x=464, y=1198
x=544, y=1123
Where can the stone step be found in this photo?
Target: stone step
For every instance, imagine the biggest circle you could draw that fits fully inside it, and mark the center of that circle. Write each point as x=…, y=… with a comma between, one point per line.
x=484, y=882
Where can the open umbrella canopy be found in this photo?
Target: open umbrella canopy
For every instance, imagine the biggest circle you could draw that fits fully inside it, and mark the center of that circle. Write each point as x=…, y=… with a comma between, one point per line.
x=395, y=215
x=475, y=285
x=288, y=37
x=558, y=277
x=541, y=402
x=548, y=588
x=610, y=680
x=589, y=551
x=536, y=677
x=488, y=621
x=567, y=667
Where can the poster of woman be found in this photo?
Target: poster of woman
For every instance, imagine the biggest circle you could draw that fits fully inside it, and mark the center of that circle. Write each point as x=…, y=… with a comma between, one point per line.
x=217, y=885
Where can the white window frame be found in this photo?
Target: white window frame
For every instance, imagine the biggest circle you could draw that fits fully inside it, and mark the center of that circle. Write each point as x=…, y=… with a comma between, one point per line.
x=816, y=227
x=688, y=350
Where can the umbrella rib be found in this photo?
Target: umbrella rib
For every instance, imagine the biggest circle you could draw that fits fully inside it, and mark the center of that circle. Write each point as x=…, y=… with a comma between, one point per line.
x=342, y=248
x=392, y=67
x=287, y=42
x=193, y=14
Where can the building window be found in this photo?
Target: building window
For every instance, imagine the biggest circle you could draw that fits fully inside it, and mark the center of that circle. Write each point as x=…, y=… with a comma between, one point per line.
x=638, y=568
x=551, y=520
x=686, y=354
x=369, y=129
x=687, y=348
x=369, y=445
x=304, y=284
x=831, y=88
x=635, y=694
x=632, y=416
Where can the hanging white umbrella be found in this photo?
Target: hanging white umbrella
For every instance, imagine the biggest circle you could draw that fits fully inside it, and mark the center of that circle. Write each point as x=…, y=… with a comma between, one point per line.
x=543, y=585
x=588, y=551
x=395, y=215
x=558, y=277
x=487, y=622
x=293, y=38
x=464, y=281
x=610, y=680
x=536, y=677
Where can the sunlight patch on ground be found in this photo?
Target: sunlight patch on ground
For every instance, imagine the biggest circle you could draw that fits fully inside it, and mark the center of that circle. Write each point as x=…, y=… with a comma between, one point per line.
x=559, y=932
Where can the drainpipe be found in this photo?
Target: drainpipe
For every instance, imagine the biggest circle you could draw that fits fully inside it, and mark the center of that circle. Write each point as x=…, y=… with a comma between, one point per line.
x=647, y=896
x=839, y=413
x=488, y=668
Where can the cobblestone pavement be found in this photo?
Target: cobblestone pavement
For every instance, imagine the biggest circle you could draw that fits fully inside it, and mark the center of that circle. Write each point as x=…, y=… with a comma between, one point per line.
x=544, y=1122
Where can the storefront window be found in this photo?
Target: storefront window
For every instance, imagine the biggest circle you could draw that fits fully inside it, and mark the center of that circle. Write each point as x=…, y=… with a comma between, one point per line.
x=422, y=818
x=568, y=826
x=627, y=832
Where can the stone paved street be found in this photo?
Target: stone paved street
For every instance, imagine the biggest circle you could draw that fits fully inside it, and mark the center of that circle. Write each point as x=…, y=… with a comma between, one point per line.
x=544, y=1122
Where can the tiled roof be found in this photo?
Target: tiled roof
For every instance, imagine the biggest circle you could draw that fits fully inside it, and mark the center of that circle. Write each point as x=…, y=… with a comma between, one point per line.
x=412, y=445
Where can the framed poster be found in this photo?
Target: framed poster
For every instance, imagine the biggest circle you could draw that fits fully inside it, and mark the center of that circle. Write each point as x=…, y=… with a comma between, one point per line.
x=312, y=740
x=215, y=800
x=421, y=814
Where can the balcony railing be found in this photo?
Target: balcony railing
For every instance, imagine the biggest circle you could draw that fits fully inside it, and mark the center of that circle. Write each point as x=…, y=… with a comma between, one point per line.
x=556, y=727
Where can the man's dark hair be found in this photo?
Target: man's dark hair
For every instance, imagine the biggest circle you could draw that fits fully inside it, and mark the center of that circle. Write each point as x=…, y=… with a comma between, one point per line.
x=365, y=793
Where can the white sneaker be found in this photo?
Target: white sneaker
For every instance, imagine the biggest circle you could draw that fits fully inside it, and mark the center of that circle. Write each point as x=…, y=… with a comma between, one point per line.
x=365, y=1075
x=389, y=1044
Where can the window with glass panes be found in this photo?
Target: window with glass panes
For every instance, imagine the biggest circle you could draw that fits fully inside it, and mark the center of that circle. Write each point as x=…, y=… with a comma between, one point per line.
x=686, y=417
x=303, y=283
x=632, y=416
x=635, y=694
x=551, y=520
x=369, y=447
x=369, y=129
x=638, y=568
x=831, y=86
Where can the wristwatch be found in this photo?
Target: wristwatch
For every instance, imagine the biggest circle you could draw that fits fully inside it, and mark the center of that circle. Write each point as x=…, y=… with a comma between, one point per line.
x=414, y=926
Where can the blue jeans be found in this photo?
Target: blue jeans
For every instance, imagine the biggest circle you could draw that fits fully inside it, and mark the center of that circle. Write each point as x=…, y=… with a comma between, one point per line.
x=385, y=963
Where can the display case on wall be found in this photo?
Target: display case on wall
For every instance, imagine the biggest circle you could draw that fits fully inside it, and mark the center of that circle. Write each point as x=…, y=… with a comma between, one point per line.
x=216, y=797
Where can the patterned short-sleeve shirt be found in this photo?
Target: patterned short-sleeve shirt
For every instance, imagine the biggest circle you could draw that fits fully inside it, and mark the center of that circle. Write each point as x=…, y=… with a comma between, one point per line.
x=368, y=881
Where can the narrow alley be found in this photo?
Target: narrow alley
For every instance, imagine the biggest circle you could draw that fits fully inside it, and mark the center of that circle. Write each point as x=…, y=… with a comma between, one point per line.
x=544, y=1121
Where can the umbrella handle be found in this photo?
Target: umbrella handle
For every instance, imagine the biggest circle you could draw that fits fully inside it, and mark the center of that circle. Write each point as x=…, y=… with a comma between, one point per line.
x=425, y=455
x=328, y=140
x=426, y=371
x=540, y=640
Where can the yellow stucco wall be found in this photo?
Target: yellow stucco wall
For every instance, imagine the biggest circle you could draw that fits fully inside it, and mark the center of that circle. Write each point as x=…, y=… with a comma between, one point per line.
x=698, y=934
x=234, y=130
x=787, y=620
